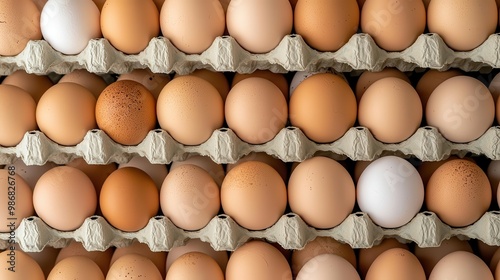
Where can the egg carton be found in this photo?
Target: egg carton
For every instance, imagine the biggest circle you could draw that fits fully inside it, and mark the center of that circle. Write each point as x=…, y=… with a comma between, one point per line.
x=224, y=146
x=224, y=234
x=292, y=54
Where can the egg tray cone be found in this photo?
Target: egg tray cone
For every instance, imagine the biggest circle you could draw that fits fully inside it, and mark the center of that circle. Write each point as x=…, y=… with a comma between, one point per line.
x=292, y=54
x=224, y=146
x=224, y=234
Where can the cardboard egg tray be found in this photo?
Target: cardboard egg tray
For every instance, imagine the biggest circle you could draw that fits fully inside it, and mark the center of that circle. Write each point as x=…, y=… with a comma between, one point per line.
x=290, y=145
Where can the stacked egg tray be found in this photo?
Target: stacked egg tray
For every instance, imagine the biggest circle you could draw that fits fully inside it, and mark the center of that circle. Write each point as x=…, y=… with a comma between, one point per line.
x=290, y=145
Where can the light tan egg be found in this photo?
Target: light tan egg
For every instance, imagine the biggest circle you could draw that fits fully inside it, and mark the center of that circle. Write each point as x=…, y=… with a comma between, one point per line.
x=90, y=81
x=195, y=265
x=276, y=78
x=17, y=265
x=35, y=85
x=366, y=256
x=154, y=82
x=367, y=78
x=274, y=162
x=133, y=266
x=196, y=245
x=461, y=265
x=431, y=80
x=77, y=268
x=206, y=163
x=158, y=258
x=217, y=79
x=74, y=248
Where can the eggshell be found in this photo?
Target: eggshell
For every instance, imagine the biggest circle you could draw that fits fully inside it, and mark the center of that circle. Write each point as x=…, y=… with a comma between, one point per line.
x=463, y=24
x=326, y=25
x=35, y=85
x=328, y=267
x=390, y=191
x=189, y=197
x=396, y=264
x=430, y=256
x=256, y=110
x=77, y=268
x=74, y=248
x=196, y=245
x=17, y=115
x=192, y=25
x=195, y=265
x=367, y=78
x=66, y=112
x=427, y=168
x=461, y=265
x=93, y=82
x=157, y=172
x=154, y=82
x=20, y=24
x=321, y=245
x=254, y=195
x=324, y=107
x=275, y=163
x=259, y=25
x=391, y=109
x=129, y=25
x=217, y=79
x=64, y=197
x=17, y=265
x=276, y=78
x=257, y=260
x=321, y=192
x=16, y=200
x=206, y=163
x=133, y=266
x=189, y=108
x=366, y=256
x=68, y=25
x=431, y=80
x=126, y=111
x=129, y=198
x=158, y=258
x=471, y=189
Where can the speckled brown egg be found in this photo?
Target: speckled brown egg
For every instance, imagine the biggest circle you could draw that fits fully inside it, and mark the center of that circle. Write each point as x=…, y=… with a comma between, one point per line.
x=458, y=192
x=126, y=112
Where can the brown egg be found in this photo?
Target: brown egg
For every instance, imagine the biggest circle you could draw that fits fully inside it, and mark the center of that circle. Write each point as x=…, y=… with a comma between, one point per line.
x=493, y=173
x=431, y=80
x=486, y=251
x=41, y=3
x=324, y=107
x=154, y=82
x=430, y=256
x=99, y=3
x=254, y=195
x=76, y=267
x=74, y=248
x=17, y=265
x=368, y=255
x=129, y=25
x=90, y=81
x=20, y=24
x=159, y=4
x=158, y=258
x=66, y=112
x=276, y=78
x=189, y=108
x=321, y=245
x=196, y=245
x=134, y=266
x=275, y=163
x=396, y=264
x=17, y=115
x=326, y=25
x=126, y=112
x=157, y=172
x=129, y=198
x=35, y=85
x=206, y=163
x=427, y=168
x=217, y=79
x=367, y=78
x=195, y=265
x=494, y=261
x=16, y=200
x=470, y=188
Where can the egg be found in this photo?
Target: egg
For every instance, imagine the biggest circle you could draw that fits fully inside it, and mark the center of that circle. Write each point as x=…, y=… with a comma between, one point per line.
x=195, y=265
x=16, y=200
x=254, y=195
x=192, y=25
x=494, y=261
x=129, y=198
x=257, y=260
x=35, y=85
x=259, y=25
x=158, y=258
x=274, y=162
x=157, y=172
x=189, y=108
x=129, y=25
x=367, y=78
x=319, y=246
x=217, y=79
x=20, y=24
x=74, y=248
x=390, y=191
x=431, y=80
x=328, y=266
x=326, y=25
x=196, y=245
x=68, y=25
x=324, y=107
x=99, y=3
x=154, y=82
x=93, y=82
x=464, y=24
x=461, y=108
x=366, y=256
x=427, y=168
x=393, y=25
x=461, y=265
x=64, y=197
x=396, y=264
x=66, y=112
x=133, y=266
x=486, y=252
x=17, y=115
x=76, y=267
x=256, y=110
x=189, y=197
x=470, y=188
x=321, y=192
x=276, y=78
x=126, y=112
x=17, y=265
x=391, y=109
x=206, y=163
